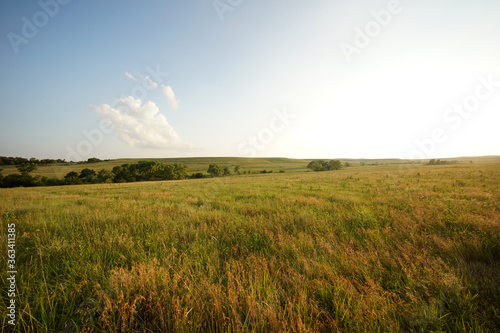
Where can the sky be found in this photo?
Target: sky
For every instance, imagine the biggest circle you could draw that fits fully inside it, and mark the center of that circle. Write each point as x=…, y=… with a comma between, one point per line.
x=283, y=78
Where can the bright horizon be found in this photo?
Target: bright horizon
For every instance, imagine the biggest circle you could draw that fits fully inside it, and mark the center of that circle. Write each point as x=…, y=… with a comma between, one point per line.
x=322, y=79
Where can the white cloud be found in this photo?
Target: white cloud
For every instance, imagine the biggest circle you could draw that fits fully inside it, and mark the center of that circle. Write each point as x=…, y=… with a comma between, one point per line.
x=140, y=125
x=130, y=76
x=152, y=83
x=145, y=80
x=167, y=90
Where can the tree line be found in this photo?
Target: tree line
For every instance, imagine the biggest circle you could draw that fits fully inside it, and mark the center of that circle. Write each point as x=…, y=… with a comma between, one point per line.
x=135, y=172
x=322, y=165
x=6, y=160
x=215, y=170
x=141, y=171
x=125, y=173
x=441, y=162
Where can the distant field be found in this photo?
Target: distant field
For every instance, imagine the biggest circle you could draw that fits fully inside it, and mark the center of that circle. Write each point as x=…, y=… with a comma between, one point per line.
x=194, y=165
x=200, y=164
x=365, y=249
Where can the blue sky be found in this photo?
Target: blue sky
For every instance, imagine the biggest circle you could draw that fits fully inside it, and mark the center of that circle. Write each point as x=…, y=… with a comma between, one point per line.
x=302, y=79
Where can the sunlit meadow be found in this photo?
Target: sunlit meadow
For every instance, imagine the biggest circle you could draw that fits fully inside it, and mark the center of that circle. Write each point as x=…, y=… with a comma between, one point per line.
x=365, y=249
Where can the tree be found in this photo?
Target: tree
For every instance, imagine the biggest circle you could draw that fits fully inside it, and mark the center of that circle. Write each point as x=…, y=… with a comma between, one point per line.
x=334, y=165
x=26, y=168
x=16, y=180
x=237, y=169
x=197, y=175
x=180, y=171
x=93, y=160
x=71, y=174
x=322, y=165
x=315, y=166
x=105, y=176
x=123, y=174
x=71, y=178
x=52, y=181
x=145, y=170
x=214, y=170
x=88, y=176
x=117, y=169
x=168, y=172
x=347, y=164
x=226, y=171
x=87, y=173
x=432, y=162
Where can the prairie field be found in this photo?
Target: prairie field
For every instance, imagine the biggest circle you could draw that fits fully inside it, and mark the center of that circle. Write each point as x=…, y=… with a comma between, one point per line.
x=364, y=249
x=194, y=164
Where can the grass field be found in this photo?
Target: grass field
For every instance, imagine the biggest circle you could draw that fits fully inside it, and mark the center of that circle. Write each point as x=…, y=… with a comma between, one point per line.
x=200, y=164
x=372, y=249
x=194, y=164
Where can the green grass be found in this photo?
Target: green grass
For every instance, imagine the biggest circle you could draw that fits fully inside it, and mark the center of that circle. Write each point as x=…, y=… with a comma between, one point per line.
x=195, y=164
x=200, y=164
x=373, y=249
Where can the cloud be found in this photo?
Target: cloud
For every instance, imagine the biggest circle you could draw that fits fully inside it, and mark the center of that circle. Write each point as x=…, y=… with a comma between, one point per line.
x=145, y=80
x=130, y=76
x=167, y=90
x=140, y=125
x=152, y=83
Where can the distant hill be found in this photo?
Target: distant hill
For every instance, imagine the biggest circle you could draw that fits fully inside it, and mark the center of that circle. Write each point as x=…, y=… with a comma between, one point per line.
x=200, y=164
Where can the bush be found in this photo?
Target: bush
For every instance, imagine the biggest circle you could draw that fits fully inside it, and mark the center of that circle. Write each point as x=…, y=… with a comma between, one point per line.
x=17, y=180
x=214, y=170
x=197, y=175
x=322, y=165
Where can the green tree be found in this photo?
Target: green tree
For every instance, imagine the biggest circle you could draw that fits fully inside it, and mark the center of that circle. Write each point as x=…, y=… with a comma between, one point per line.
x=168, y=172
x=226, y=171
x=197, y=175
x=105, y=176
x=16, y=180
x=26, y=168
x=52, y=181
x=88, y=176
x=71, y=174
x=334, y=165
x=236, y=169
x=322, y=165
x=180, y=171
x=87, y=173
x=117, y=169
x=315, y=166
x=214, y=170
x=147, y=170
x=93, y=160
x=125, y=174
x=71, y=178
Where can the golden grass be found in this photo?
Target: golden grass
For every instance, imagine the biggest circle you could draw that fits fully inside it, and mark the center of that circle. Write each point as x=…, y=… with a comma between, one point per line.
x=359, y=250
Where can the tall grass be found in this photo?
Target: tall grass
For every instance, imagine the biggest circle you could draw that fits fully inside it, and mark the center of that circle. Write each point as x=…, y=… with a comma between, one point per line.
x=357, y=250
